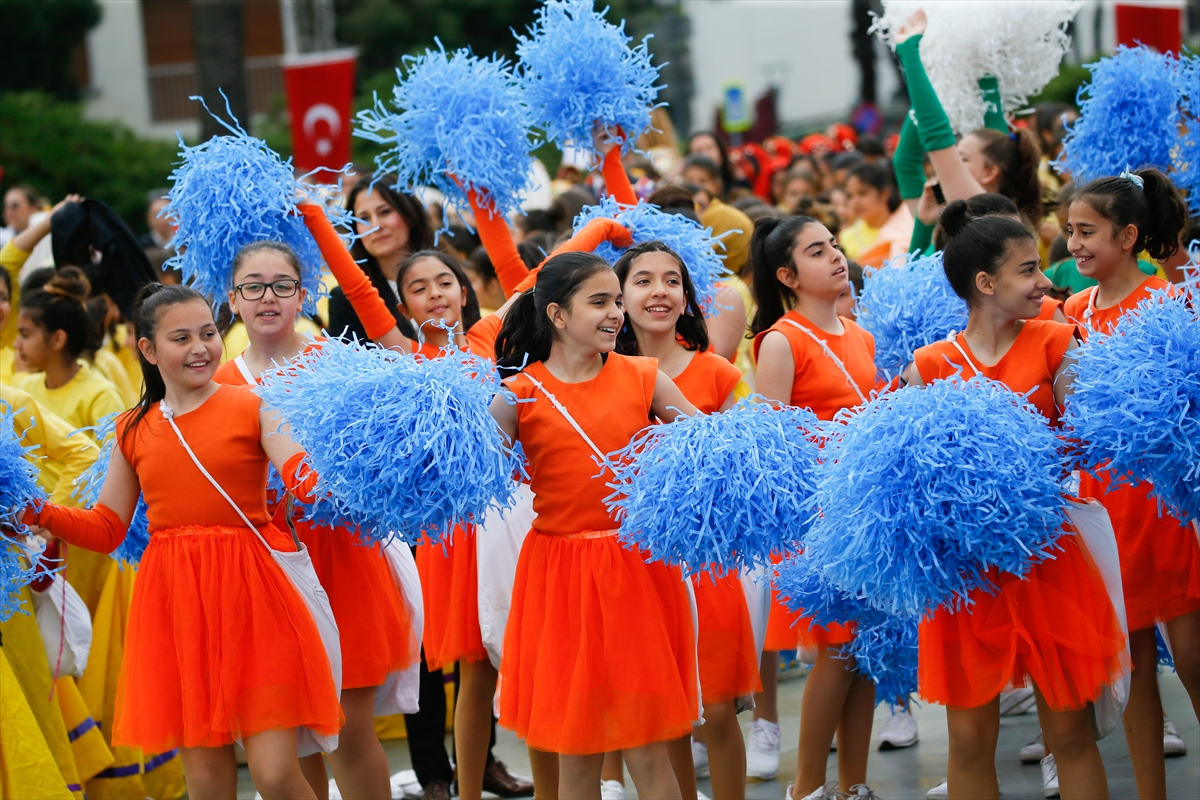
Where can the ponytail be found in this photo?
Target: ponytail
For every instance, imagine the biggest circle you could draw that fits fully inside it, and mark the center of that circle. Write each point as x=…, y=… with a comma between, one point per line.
x=771, y=248
x=1146, y=199
x=528, y=334
x=1018, y=156
x=60, y=305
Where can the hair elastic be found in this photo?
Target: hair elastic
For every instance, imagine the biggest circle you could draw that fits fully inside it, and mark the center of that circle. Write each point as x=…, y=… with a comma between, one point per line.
x=1136, y=180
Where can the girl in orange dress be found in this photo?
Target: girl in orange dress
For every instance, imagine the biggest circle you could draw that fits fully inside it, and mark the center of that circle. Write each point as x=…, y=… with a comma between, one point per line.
x=664, y=321
x=220, y=645
x=1055, y=627
x=1110, y=221
x=374, y=627
x=599, y=653
x=809, y=356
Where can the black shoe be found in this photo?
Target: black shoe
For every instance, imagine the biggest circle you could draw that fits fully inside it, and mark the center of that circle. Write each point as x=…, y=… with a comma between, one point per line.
x=499, y=781
x=437, y=791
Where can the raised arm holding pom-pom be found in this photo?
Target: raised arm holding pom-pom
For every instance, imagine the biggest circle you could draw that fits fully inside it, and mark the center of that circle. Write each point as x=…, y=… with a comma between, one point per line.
x=608, y=142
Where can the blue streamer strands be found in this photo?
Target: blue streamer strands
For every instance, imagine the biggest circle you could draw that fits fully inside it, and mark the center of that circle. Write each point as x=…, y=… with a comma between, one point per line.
x=694, y=243
x=19, y=489
x=403, y=445
x=458, y=116
x=727, y=489
x=576, y=68
x=1165, y=659
x=922, y=490
x=906, y=304
x=87, y=491
x=234, y=190
x=1135, y=406
x=1131, y=111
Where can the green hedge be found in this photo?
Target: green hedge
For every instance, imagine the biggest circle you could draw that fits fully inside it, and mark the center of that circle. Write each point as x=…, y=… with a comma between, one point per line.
x=48, y=144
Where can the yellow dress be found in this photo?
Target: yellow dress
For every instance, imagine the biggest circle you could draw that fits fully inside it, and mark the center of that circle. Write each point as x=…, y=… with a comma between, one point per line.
x=27, y=764
x=108, y=365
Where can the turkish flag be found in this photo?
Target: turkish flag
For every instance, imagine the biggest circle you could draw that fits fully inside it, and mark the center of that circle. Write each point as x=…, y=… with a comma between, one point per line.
x=1158, y=25
x=320, y=94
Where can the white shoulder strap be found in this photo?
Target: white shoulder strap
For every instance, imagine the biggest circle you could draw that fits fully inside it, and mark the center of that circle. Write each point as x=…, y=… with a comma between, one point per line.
x=953, y=339
x=567, y=415
x=250, y=377
x=837, y=362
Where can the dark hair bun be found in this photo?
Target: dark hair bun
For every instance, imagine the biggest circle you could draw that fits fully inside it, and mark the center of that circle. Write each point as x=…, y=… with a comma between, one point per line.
x=69, y=283
x=955, y=217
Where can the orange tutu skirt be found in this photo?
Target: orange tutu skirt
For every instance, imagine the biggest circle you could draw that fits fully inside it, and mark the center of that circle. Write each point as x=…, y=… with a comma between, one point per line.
x=1057, y=627
x=725, y=647
x=219, y=645
x=374, y=628
x=450, y=587
x=599, y=653
x=1160, y=558
x=788, y=630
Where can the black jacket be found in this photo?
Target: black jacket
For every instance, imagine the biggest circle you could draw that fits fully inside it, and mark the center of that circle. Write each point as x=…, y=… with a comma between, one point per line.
x=123, y=268
x=343, y=321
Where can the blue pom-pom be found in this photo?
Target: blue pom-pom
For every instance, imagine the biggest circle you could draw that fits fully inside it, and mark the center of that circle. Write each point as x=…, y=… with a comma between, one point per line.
x=1165, y=659
x=906, y=304
x=1135, y=403
x=19, y=489
x=729, y=488
x=458, y=117
x=1130, y=116
x=137, y=538
x=87, y=492
x=694, y=243
x=921, y=490
x=231, y=191
x=576, y=68
x=403, y=445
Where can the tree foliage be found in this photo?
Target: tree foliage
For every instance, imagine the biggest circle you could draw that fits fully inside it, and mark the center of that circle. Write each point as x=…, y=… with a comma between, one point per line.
x=40, y=38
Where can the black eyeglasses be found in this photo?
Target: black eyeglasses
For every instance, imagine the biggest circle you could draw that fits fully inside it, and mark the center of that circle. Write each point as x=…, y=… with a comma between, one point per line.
x=256, y=291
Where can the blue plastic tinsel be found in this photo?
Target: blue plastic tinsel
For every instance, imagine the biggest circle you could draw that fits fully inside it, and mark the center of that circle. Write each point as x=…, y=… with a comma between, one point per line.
x=458, y=116
x=87, y=491
x=234, y=190
x=884, y=646
x=403, y=445
x=694, y=243
x=576, y=68
x=728, y=488
x=906, y=304
x=1164, y=654
x=923, y=489
x=19, y=489
x=1131, y=110
x=1135, y=407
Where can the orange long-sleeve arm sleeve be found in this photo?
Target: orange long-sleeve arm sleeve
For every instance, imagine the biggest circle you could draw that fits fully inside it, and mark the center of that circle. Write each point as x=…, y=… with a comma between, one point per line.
x=598, y=230
x=97, y=529
x=616, y=179
x=497, y=240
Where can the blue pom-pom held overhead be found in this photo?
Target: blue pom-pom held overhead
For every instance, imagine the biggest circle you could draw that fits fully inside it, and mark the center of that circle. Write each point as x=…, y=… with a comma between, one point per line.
x=402, y=445
x=1135, y=402
x=460, y=123
x=229, y=192
x=577, y=69
x=726, y=489
x=19, y=489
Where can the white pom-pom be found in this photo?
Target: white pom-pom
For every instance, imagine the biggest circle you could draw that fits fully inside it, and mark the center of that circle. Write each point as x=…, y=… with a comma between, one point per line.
x=1020, y=42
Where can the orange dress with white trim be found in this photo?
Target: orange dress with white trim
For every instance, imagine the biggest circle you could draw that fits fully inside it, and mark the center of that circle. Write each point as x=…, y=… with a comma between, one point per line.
x=725, y=645
x=1160, y=556
x=374, y=628
x=1056, y=626
x=822, y=388
x=448, y=570
x=599, y=652
x=219, y=644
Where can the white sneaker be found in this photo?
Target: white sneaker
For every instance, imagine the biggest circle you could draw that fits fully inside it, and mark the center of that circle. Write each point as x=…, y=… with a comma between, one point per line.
x=1035, y=751
x=1016, y=702
x=899, y=731
x=1173, y=743
x=939, y=792
x=1049, y=777
x=612, y=790
x=762, y=751
x=700, y=758
x=827, y=792
x=701, y=795
x=863, y=791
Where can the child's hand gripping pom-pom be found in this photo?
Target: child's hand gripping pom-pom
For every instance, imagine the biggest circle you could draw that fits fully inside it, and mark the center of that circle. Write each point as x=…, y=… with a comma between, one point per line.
x=694, y=243
x=726, y=489
x=1019, y=42
x=87, y=492
x=19, y=489
x=402, y=445
x=577, y=69
x=1135, y=401
x=922, y=490
x=231, y=191
x=460, y=124
x=906, y=304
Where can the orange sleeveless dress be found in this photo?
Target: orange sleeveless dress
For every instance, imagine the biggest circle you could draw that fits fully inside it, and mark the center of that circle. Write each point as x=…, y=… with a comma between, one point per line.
x=1160, y=556
x=219, y=644
x=374, y=628
x=1049, y=306
x=599, y=652
x=1056, y=626
x=449, y=572
x=725, y=646
x=822, y=388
